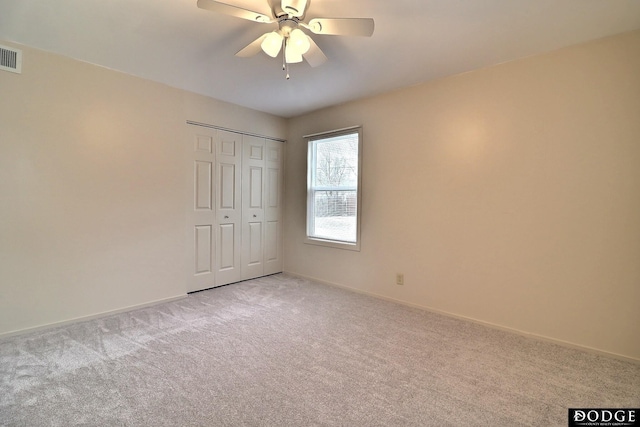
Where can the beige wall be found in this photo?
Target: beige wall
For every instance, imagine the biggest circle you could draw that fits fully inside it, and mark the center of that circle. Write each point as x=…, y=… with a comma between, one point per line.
x=509, y=195
x=92, y=188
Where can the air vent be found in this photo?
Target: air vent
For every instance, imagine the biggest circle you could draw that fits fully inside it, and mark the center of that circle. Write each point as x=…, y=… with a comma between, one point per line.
x=10, y=59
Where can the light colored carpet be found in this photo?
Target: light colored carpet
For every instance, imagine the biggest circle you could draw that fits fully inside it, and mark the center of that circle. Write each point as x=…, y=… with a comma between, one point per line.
x=281, y=351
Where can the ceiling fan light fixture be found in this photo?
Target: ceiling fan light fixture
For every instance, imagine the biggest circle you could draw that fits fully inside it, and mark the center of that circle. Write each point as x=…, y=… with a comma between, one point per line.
x=291, y=54
x=272, y=44
x=288, y=40
x=300, y=41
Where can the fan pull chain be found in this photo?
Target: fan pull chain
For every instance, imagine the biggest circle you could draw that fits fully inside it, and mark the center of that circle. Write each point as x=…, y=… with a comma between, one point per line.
x=285, y=64
x=284, y=58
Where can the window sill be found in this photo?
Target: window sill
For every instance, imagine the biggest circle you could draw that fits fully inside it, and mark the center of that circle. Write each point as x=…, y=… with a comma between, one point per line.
x=333, y=244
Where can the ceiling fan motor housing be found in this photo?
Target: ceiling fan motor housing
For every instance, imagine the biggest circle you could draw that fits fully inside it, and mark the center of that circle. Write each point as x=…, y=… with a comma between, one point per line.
x=287, y=25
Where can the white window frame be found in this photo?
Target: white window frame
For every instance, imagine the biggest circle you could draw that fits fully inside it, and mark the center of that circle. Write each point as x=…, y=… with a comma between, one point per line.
x=309, y=239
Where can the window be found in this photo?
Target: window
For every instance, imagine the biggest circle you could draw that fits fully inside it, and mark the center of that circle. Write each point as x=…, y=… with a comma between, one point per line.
x=333, y=188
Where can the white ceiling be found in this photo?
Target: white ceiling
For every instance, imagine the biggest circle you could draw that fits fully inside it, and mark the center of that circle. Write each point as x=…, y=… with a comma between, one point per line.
x=174, y=42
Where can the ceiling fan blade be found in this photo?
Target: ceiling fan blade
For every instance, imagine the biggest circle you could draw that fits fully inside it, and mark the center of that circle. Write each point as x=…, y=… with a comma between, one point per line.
x=253, y=47
x=342, y=26
x=238, y=12
x=314, y=55
x=295, y=8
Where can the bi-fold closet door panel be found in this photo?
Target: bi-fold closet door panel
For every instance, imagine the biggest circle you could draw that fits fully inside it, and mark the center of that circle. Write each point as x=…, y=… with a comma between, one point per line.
x=200, y=209
x=234, y=212
x=262, y=184
x=228, y=207
x=274, y=185
x=253, y=199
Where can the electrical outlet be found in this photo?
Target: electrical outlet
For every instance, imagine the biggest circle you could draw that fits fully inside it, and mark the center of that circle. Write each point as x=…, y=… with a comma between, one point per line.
x=399, y=279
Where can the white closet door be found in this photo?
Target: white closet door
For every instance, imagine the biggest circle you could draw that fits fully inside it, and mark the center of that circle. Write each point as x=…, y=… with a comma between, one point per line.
x=234, y=209
x=200, y=212
x=253, y=201
x=274, y=185
x=228, y=208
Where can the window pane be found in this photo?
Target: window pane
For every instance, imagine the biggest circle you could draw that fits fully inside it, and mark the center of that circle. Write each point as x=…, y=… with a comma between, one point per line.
x=335, y=215
x=337, y=162
x=333, y=189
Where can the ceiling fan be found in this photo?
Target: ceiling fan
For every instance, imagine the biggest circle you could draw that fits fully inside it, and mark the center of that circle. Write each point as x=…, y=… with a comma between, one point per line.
x=289, y=38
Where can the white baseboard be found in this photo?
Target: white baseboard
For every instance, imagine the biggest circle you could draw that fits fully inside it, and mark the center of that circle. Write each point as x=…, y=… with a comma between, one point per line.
x=470, y=319
x=89, y=317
